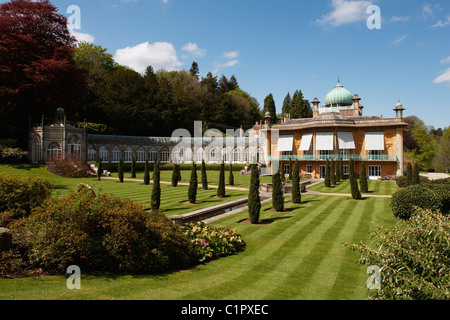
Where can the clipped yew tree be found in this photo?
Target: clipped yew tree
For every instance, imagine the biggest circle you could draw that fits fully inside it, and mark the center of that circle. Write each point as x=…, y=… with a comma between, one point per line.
x=175, y=175
x=254, y=201
x=146, y=173
x=277, y=193
x=99, y=169
x=327, y=181
x=363, y=179
x=353, y=181
x=204, y=176
x=296, y=191
x=221, y=189
x=156, y=192
x=133, y=168
x=193, y=184
x=120, y=170
x=332, y=173
x=231, y=176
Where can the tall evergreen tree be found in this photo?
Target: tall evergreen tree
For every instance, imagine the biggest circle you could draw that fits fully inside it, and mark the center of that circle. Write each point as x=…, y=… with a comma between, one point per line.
x=341, y=170
x=133, y=168
x=290, y=169
x=269, y=106
x=194, y=71
x=353, y=182
x=364, y=188
x=254, y=201
x=193, y=184
x=156, y=192
x=277, y=193
x=333, y=173
x=338, y=171
x=327, y=181
x=296, y=192
x=231, y=176
x=286, y=104
x=300, y=108
x=146, y=173
x=120, y=170
x=221, y=189
x=99, y=169
x=204, y=176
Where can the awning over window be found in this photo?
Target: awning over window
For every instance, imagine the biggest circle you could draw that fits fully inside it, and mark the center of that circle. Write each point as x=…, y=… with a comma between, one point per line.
x=345, y=140
x=374, y=141
x=285, y=143
x=324, y=141
x=306, y=142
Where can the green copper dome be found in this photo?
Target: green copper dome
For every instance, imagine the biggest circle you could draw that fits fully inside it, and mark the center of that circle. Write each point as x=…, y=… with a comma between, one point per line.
x=339, y=96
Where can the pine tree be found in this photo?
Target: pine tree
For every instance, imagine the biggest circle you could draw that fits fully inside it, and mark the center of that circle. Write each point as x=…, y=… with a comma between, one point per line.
x=146, y=173
x=156, y=192
x=363, y=179
x=231, y=177
x=175, y=175
x=133, y=168
x=333, y=173
x=204, y=176
x=254, y=201
x=120, y=171
x=277, y=193
x=416, y=174
x=353, y=182
x=286, y=104
x=409, y=174
x=99, y=169
x=269, y=106
x=193, y=184
x=221, y=189
x=327, y=181
x=296, y=192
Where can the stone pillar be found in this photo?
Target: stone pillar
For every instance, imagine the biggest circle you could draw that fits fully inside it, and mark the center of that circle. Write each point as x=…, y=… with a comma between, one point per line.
x=315, y=104
x=399, y=151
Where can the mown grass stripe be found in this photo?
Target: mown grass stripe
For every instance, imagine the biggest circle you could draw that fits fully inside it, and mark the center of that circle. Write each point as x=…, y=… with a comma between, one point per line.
x=267, y=258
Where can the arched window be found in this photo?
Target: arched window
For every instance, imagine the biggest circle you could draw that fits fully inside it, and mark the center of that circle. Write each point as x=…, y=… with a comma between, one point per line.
x=247, y=155
x=200, y=155
x=153, y=154
x=53, y=152
x=212, y=155
x=165, y=155
x=92, y=154
x=74, y=147
x=260, y=155
x=188, y=155
x=177, y=155
x=128, y=155
x=140, y=154
x=224, y=155
x=36, y=149
x=104, y=154
x=116, y=155
x=236, y=155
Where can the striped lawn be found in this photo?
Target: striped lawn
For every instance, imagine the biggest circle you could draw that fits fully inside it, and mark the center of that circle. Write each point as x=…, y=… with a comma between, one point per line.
x=376, y=187
x=301, y=255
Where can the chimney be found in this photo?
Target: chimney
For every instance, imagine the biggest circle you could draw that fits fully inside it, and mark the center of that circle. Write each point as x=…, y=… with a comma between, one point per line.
x=315, y=104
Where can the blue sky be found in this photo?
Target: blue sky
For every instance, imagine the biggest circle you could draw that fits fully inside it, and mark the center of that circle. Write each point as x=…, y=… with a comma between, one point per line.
x=279, y=46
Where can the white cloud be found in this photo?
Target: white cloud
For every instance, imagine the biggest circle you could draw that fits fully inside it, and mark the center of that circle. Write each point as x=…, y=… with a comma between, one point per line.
x=399, y=40
x=441, y=23
x=227, y=64
x=82, y=36
x=444, y=77
x=345, y=12
x=194, y=49
x=400, y=19
x=231, y=54
x=445, y=60
x=159, y=55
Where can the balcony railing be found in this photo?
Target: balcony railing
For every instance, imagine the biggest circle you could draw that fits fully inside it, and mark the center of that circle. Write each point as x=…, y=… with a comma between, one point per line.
x=316, y=157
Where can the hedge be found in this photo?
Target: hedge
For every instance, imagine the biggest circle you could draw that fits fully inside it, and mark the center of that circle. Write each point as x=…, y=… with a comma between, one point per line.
x=433, y=195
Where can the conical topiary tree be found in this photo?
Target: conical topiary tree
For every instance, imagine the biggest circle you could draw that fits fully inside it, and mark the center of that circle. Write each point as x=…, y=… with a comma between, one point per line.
x=146, y=173
x=221, y=189
x=277, y=193
x=353, y=182
x=120, y=170
x=231, y=177
x=193, y=184
x=133, y=168
x=296, y=192
x=363, y=186
x=332, y=173
x=409, y=174
x=99, y=169
x=156, y=192
x=338, y=171
x=416, y=174
x=290, y=169
x=341, y=169
x=327, y=181
x=204, y=176
x=254, y=201
x=175, y=175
